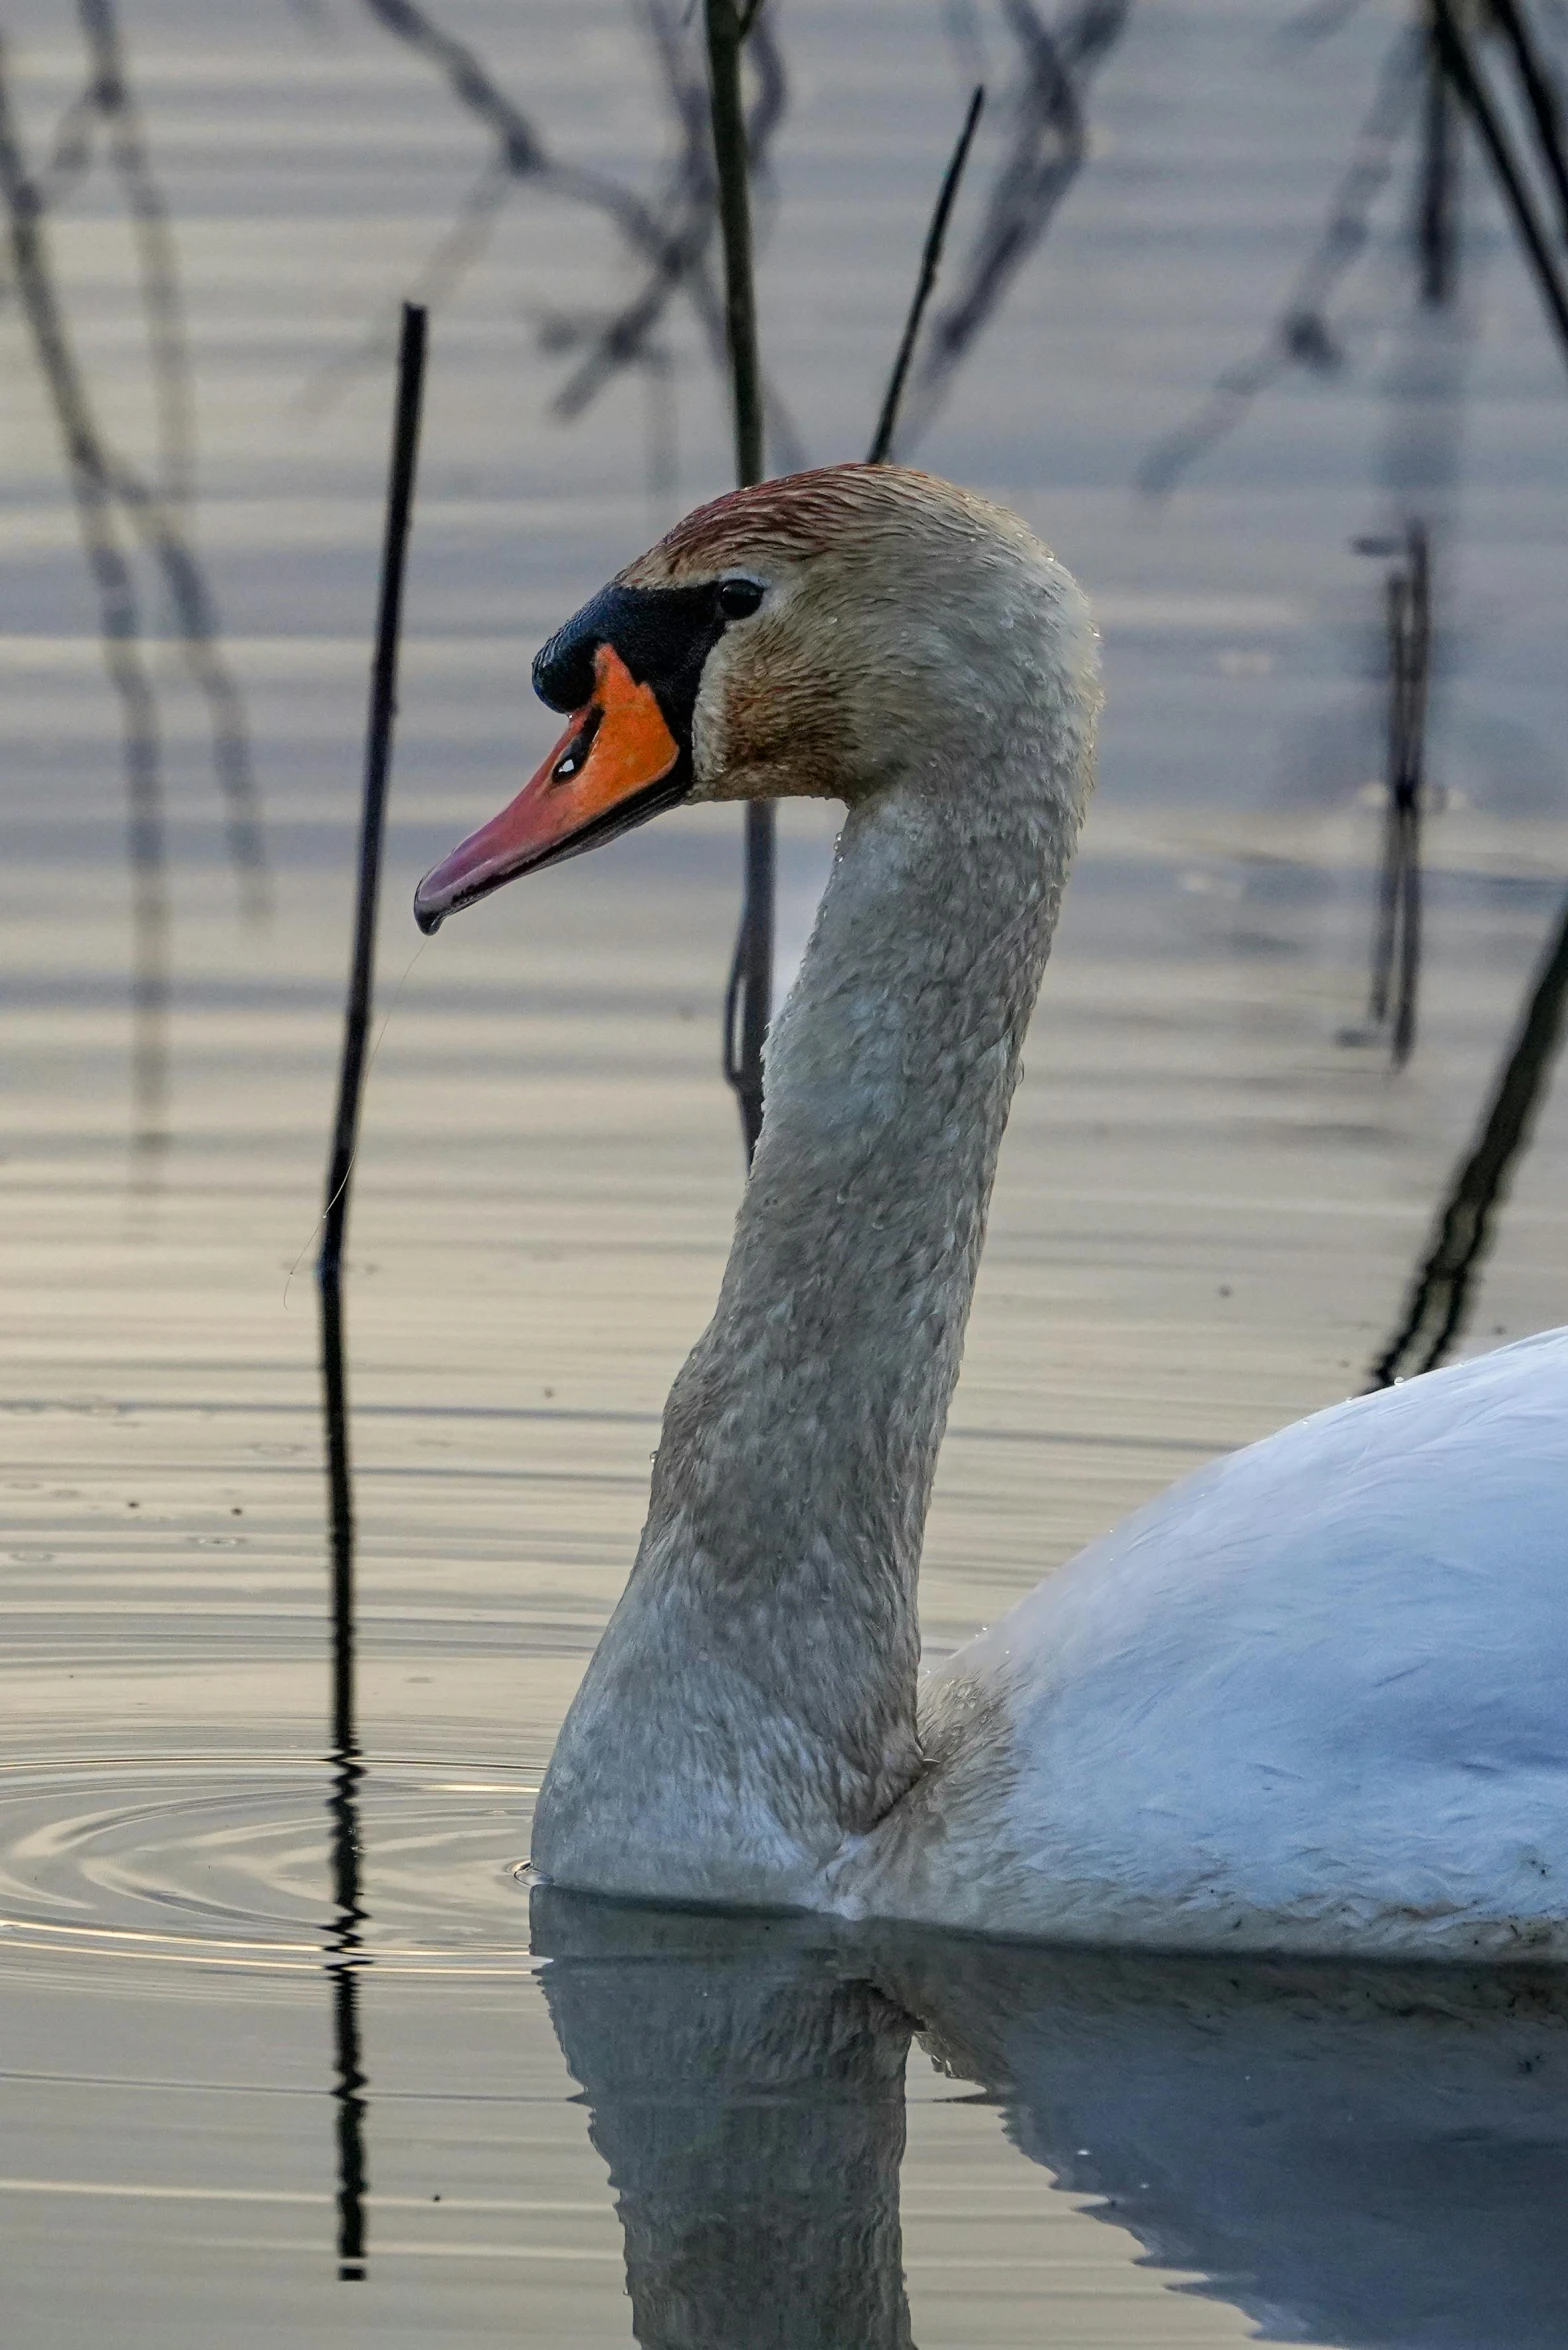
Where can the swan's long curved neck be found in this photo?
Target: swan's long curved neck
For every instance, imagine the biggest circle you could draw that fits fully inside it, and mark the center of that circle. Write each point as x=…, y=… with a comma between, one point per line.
x=753, y=1701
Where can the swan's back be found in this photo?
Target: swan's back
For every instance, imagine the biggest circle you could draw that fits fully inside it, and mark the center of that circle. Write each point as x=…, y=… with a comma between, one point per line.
x=1315, y=1697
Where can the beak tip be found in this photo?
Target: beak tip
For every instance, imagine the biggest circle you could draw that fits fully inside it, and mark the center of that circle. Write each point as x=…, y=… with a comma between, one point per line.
x=429, y=912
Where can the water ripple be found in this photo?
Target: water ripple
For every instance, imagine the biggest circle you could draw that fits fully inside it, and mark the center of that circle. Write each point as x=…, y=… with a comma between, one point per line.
x=231, y=1862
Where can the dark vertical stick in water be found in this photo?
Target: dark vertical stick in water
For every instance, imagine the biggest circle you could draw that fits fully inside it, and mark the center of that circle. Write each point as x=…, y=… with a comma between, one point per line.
x=881, y=450
x=1409, y=605
x=1441, y=1292
x=378, y=760
x=749, y=998
x=1410, y=782
x=1388, y=896
x=343, y=1961
x=1397, y=940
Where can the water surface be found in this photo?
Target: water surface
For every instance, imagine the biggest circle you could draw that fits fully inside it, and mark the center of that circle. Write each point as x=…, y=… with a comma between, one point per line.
x=253, y=2094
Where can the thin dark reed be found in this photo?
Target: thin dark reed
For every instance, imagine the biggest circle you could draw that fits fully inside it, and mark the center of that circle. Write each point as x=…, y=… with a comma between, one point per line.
x=343, y=1960
x=1437, y=203
x=1459, y=63
x=1396, y=950
x=1542, y=97
x=1442, y=1292
x=605, y=343
x=748, y=1000
x=378, y=760
x=881, y=449
x=356, y=1024
x=726, y=30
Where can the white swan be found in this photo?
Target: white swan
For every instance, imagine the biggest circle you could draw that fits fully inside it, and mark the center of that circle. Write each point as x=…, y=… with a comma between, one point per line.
x=1316, y=1698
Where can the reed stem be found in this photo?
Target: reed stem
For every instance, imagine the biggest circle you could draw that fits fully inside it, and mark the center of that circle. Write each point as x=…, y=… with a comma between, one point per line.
x=378, y=760
x=881, y=450
x=727, y=30
x=749, y=998
x=349, y=2085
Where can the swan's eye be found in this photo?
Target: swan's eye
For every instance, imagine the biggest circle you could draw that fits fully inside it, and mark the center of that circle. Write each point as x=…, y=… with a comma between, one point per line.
x=739, y=598
x=571, y=760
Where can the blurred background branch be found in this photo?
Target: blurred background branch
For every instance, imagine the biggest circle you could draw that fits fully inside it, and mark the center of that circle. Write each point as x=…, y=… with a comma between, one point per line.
x=114, y=506
x=669, y=235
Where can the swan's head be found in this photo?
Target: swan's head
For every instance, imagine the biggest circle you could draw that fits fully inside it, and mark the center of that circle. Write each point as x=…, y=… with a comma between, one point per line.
x=816, y=636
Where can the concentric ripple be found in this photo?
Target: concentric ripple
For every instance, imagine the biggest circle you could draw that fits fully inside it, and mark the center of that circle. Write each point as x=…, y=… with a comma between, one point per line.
x=262, y=1862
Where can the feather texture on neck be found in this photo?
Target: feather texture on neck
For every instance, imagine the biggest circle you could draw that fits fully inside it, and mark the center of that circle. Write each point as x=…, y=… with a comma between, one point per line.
x=752, y=1703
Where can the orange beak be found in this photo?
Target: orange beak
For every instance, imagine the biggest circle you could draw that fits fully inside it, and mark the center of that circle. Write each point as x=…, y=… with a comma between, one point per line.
x=602, y=777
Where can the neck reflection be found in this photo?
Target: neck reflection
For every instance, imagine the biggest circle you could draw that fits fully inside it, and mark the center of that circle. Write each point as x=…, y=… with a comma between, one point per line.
x=747, y=2093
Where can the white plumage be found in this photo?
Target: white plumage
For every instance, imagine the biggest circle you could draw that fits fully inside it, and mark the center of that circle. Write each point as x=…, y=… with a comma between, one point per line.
x=1313, y=1698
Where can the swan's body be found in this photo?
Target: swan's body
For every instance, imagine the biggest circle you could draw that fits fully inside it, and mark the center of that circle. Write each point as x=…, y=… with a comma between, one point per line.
x=1317, y=1698
x=1314, y=1698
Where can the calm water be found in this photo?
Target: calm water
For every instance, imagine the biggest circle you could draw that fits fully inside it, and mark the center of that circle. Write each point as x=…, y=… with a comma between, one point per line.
x=251, y=2095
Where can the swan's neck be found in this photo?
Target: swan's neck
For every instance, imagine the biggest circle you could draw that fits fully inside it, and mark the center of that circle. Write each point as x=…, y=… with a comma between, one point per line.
x=753, y=1701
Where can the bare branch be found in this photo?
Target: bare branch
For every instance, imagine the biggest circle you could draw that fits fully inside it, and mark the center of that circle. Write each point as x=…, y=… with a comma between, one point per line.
x=930, y=262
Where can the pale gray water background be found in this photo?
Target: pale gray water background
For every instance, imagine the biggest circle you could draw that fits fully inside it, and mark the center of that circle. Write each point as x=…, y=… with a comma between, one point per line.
x=1207, y=1213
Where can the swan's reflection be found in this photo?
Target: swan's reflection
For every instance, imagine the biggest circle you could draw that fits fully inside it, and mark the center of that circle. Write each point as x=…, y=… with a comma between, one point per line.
x=1351, y=2156
x=747, y=2092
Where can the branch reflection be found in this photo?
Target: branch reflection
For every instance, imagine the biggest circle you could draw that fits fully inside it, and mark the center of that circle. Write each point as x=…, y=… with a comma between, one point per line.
x=344, y=1957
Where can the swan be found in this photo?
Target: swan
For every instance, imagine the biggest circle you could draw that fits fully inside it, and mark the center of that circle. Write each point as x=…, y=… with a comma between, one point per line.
x=1312, y=1700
